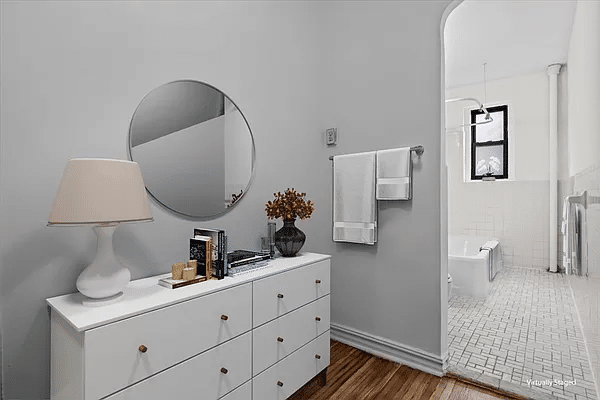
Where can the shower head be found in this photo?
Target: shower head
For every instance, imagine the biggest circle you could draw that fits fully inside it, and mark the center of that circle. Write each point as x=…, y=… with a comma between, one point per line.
x=488, y=117
x=487, y=114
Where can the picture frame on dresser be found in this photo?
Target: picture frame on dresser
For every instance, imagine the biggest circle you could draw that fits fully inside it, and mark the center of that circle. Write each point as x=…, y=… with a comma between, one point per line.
x=266, y=335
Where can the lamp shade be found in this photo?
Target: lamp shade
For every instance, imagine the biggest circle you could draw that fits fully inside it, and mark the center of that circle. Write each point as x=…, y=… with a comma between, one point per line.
x=96, y=191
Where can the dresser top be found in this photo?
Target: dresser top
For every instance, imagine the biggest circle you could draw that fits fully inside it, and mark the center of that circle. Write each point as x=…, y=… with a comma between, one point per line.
x=143, y=295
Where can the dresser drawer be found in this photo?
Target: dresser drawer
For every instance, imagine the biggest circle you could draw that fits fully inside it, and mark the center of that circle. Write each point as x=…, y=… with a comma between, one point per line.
x=279, y=338
x=244, y=392
x=113, y=354
x=279, y=294
x=201, y=377
x=282, y=379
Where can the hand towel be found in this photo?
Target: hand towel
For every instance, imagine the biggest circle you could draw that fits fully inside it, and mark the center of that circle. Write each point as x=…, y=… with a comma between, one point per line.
x=492, y=246
x=565, y=229
x=565, y=216
x=394, y=170
x=354, y=204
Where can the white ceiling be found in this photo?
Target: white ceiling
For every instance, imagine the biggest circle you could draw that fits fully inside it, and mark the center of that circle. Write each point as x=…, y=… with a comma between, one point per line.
x=513, y=37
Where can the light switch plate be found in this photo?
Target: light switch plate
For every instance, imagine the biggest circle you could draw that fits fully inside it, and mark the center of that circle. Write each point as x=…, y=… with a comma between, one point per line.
x=331, y=136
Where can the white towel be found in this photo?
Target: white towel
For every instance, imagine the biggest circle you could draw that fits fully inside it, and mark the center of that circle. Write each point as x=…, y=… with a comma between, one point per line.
x=492, y=246
x=565, y=216
x=566, y=232
x=394, y=170
x=354, y=205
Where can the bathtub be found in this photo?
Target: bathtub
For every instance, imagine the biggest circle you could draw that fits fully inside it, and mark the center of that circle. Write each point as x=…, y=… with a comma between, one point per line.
x=472, y=269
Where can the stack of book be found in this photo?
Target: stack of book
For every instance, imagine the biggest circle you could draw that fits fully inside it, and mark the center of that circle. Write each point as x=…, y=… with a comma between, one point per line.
x=209, y=247
x=244, y=261
x=244, y=269
x=171, y=283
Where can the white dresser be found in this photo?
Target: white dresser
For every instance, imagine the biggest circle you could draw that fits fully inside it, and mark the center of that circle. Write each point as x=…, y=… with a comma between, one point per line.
x=259, y=336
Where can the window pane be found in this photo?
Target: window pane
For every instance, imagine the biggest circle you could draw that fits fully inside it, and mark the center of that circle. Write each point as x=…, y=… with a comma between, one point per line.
x=490, y=131
x=489, y=159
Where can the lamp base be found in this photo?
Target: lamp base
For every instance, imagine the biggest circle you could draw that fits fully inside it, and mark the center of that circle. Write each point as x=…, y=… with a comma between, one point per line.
x=89, y=302
x=103, y=280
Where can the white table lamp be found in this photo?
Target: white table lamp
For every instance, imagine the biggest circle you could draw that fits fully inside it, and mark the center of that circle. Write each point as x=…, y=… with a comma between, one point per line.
x=101, y=193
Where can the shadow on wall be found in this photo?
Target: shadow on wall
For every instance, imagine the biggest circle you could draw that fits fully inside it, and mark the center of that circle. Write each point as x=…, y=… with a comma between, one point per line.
x=44, y=264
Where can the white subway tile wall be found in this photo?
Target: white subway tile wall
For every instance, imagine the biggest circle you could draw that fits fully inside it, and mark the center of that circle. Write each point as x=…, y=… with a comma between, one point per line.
x=514, y=212
x=588, y=179
x=586, y=290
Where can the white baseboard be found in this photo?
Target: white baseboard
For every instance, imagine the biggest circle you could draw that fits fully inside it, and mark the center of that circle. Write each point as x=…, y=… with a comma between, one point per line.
x=384, y=348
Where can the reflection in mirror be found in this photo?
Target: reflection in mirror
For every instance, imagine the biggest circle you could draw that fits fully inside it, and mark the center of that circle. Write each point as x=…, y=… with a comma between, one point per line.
x=194, y=147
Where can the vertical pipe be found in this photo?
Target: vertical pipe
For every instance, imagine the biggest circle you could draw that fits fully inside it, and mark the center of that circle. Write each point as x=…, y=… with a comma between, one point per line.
x=553, y=71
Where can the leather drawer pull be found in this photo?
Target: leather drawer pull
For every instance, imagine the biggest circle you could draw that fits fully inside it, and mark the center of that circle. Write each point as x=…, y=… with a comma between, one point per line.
x=224, y=317
x=318, y=281
x=280, y=296
x=279, y=383
x=318, y=319
x=280, y=339
x=143, y=349
x=318, y=357
x=224, y=370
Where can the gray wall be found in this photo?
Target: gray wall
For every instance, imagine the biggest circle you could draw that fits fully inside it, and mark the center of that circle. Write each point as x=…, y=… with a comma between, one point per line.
x=74, y=72
x=383, y=91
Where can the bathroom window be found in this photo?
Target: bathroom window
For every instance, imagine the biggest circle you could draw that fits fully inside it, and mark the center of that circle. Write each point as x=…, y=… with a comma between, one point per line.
x=489, y=144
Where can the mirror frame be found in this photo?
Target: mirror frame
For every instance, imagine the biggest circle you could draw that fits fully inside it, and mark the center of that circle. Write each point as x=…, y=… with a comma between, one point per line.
x=179, y=213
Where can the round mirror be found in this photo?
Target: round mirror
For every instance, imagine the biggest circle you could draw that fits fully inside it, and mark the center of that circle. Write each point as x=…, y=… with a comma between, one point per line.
x=194, y=147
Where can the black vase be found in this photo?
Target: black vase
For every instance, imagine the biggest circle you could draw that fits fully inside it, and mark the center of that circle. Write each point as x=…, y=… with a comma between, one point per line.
x=289, y=239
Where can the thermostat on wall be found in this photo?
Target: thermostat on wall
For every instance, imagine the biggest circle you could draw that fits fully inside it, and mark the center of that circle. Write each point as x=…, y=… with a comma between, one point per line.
x=331, y=136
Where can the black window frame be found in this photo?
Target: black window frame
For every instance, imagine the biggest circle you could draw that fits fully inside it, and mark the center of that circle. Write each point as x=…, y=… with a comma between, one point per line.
x=504, y=142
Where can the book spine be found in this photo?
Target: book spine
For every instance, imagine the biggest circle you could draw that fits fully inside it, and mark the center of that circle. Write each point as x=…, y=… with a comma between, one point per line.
x=179, y=284
x=251, y=260
x=222, y=254
x=218, y=261
x=209, y=264
x=182, y=284
x=165, y=284
x=225, y=250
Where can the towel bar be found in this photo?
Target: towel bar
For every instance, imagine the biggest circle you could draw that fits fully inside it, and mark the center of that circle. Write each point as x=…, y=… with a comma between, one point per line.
x=419, y=149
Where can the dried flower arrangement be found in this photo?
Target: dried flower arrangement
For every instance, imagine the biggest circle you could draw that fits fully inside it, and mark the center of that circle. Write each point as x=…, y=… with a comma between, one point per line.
x=289, y=206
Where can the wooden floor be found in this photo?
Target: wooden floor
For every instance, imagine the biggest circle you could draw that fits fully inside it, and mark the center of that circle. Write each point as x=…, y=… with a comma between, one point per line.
x=354, y=374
